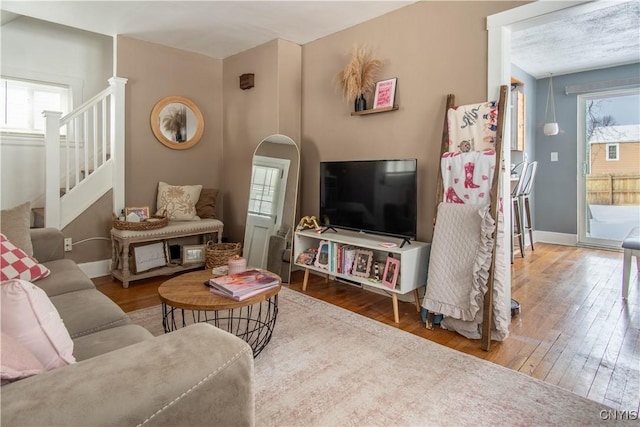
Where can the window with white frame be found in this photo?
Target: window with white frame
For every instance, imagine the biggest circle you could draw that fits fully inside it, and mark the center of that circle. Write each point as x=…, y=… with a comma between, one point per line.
x=264, y=190
x=23, y=102
x=613, y=151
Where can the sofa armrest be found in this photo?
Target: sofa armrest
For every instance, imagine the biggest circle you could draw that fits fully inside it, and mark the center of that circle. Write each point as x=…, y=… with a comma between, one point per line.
x=198, y=375
x=48, y=244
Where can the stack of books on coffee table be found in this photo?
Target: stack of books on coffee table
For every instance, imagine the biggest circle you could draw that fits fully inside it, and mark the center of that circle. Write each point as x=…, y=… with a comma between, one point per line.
x=246, y=284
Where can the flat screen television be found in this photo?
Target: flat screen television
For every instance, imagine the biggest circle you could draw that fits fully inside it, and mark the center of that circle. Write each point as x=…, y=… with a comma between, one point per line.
x=376, y=196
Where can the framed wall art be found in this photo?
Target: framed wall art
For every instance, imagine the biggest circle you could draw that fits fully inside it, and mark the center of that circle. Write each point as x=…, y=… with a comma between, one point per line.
x=385, y=93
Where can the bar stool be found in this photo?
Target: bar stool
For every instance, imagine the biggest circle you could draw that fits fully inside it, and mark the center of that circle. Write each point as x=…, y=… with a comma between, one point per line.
x=529, y=177
x=516, y=229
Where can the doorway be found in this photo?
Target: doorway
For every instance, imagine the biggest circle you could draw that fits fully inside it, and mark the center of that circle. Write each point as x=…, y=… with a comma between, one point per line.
x=609, y=157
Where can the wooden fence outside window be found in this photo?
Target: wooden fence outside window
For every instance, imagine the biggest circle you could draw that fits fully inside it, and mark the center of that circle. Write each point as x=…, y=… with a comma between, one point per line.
x=613, y=190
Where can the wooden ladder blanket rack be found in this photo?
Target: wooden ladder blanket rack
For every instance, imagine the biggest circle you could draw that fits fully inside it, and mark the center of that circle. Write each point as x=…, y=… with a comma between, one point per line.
x=487, y=321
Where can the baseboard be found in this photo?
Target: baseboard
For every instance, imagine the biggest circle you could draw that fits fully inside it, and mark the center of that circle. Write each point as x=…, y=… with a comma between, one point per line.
x=96, y=268
x=555, y=238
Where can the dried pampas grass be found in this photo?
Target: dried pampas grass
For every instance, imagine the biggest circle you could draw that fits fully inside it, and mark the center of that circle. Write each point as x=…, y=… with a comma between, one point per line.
x=359, y=76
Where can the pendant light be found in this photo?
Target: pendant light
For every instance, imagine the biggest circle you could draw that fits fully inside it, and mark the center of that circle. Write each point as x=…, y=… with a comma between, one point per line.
x=550, y=124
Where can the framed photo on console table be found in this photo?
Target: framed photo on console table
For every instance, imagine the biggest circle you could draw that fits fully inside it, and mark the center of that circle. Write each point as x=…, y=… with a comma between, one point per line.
x=141, y=211
x=193, y=254
x=362, y=264
x=391, y=270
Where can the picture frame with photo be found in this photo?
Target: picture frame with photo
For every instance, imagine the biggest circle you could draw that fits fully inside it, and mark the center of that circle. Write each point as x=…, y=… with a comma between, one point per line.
x=362, y=263
x=385, y=93
x=193, y=254
x=322, y=258
x=391, y=271
x=141, y=211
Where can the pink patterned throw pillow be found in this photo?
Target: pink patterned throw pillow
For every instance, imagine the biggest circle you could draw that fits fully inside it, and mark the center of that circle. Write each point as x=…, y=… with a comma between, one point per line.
x=16, y=264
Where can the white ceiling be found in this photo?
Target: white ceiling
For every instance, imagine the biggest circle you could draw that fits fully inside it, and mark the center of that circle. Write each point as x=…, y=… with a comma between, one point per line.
x=606, y=35
x=213, y=28
x=596, y=35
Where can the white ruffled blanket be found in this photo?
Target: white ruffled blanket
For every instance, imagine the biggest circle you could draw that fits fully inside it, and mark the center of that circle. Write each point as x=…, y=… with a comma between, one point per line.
x=460, y=260
x=459, y=271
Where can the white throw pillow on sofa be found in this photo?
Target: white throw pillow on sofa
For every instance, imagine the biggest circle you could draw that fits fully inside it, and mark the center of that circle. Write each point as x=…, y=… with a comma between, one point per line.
x=178, y=201
x=29, y=316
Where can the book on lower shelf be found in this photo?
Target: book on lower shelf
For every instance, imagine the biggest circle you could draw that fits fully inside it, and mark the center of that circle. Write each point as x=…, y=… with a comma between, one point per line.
x=243, y=285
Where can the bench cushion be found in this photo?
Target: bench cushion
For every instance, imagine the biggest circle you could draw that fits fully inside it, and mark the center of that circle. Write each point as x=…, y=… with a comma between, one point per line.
x=174, y=228
x=632, y=241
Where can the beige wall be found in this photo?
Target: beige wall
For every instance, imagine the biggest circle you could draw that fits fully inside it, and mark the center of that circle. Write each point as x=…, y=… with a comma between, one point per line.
x=94, y=224
x=272, y=106
x=433, y=48
x=155, y=72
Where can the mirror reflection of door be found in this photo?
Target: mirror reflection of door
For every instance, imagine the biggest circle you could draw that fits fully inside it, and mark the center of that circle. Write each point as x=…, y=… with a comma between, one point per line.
x=266, y=203
x=271, y=214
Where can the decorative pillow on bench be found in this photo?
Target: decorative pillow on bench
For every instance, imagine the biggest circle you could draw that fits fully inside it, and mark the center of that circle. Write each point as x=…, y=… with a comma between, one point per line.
x=178, y=201
x=206, y=206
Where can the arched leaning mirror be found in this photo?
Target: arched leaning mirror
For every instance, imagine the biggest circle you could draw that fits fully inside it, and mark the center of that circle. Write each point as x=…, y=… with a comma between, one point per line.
x=268, y=238
x=177, y=122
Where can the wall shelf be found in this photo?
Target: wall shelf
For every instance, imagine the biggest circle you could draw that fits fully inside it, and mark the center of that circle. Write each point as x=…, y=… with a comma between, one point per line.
x=374, y=110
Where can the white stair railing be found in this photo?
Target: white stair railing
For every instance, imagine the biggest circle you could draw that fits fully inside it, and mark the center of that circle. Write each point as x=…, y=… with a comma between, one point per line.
x=84, y=155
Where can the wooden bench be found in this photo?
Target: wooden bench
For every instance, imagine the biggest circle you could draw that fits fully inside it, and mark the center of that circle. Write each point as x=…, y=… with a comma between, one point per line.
x=631, y=246
x=121, y=240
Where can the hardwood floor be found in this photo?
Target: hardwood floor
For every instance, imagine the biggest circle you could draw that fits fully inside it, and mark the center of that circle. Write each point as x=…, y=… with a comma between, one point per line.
x=573, y=330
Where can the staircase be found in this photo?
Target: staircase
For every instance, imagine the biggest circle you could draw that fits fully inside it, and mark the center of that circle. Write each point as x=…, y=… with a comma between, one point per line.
x=84, y=156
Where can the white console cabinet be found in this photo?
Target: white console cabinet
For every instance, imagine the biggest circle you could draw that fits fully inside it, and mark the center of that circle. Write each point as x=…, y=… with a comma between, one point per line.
x=413, y=257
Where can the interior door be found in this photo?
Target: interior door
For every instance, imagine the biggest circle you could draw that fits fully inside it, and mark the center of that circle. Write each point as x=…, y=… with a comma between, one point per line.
x=266, y=202
x=609, y=162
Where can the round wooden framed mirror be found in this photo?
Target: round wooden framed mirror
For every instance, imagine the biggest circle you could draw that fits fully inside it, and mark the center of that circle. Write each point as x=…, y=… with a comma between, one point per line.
x=177, y=122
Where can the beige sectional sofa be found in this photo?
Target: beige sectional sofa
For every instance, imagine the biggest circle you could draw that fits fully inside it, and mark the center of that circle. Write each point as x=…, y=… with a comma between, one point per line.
x=199, y=375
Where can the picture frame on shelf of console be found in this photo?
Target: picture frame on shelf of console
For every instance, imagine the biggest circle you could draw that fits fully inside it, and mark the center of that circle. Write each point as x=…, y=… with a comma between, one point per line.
x=391, y=271
x=192, y=254
x=145, y=257
x=322, y=258
x=363, y=262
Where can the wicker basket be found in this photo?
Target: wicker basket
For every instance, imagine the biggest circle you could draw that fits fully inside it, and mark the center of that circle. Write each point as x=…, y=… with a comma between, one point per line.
x=158, y=222
x=218, y=254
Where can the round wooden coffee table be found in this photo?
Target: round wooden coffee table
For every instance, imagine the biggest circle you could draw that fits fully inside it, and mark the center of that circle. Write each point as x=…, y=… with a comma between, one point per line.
x=186, y=300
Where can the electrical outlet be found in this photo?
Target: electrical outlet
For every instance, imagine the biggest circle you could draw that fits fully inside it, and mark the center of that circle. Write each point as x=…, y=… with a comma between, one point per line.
x=68, y=242
x=554, y=156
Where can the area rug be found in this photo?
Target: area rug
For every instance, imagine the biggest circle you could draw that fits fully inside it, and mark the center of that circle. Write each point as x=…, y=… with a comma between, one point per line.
x=326, y=366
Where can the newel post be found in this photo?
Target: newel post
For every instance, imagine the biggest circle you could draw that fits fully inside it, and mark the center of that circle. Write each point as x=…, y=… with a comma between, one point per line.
x=118, y=141
x=52, y=168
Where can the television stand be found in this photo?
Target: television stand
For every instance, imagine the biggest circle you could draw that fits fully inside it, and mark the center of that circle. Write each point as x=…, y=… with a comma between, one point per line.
x=327, y=228
x=414, y=260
